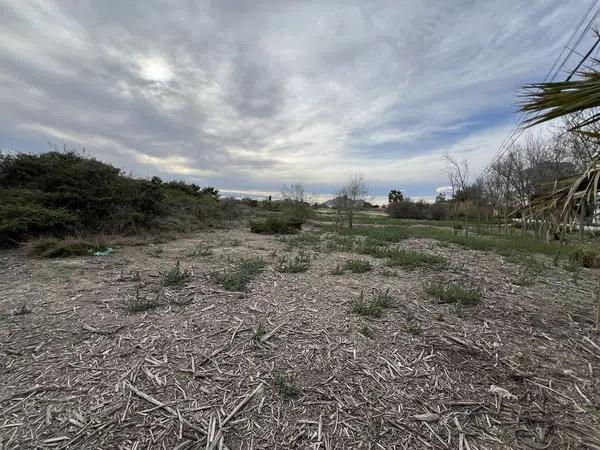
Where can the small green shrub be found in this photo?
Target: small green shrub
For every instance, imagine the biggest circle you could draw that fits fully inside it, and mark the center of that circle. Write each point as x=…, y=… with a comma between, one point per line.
x=242, y=274
x=410, y=259
x=176, y=277
x=365, y=308
x=299, y=263
x=140, y=303
x=374, y=307
x=63, y=248
x=384, y=299
x=286, y=387
x=276, y=225
x=454, y=293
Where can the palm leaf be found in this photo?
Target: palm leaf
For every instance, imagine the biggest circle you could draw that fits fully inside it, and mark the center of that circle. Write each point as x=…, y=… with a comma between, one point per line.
x=552, y=100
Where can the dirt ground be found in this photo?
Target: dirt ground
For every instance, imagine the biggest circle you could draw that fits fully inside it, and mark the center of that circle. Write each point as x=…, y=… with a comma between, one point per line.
x=78, y=370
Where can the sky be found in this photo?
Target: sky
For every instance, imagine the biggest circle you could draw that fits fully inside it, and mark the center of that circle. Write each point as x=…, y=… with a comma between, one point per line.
x=248, y=96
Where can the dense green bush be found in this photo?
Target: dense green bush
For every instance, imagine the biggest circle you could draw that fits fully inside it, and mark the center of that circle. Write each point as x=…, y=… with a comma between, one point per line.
x=63, y=193
x=421, y=210
x=276, y=225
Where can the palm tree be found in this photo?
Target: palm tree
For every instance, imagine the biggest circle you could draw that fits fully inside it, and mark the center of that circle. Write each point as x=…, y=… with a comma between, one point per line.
x=566, y=201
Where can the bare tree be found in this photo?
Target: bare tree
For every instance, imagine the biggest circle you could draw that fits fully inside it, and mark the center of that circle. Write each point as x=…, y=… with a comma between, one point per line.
x=458, y=174
x=354, y=192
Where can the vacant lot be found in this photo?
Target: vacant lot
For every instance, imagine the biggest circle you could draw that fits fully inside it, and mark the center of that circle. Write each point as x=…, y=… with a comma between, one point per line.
x=325, y=341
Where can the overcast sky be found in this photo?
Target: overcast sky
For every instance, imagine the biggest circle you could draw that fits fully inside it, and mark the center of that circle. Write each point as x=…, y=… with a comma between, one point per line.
x=249, y=95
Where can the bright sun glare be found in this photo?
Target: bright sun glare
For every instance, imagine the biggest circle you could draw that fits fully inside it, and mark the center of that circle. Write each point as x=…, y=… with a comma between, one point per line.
x=155, y=69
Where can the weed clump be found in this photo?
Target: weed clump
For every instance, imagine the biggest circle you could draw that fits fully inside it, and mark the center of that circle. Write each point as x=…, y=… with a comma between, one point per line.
x=357, y=265
x=176, y=277
x=140, y=303
x=286, y=387
x=242, y=274
x=454, y=293
x=374, y=307
x=297, y=264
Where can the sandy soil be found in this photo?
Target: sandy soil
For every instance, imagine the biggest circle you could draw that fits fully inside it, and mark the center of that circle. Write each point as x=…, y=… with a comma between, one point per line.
x=79, y=370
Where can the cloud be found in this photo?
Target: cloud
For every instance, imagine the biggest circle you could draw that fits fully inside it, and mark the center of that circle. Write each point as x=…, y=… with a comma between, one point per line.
x=249, y=98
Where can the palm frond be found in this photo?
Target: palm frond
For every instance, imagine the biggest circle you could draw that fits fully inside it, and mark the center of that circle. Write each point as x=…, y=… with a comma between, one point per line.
x=552, y=100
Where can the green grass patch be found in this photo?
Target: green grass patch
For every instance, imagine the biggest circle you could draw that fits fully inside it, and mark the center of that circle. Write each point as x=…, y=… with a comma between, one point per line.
x=411, y=260
x=357, y=265
x=373, y=307
x=301, y=240
x=454, y=293
x=243, y=273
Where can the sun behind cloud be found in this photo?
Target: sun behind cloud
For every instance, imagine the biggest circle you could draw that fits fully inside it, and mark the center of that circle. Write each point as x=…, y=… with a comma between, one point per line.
x=155, y=69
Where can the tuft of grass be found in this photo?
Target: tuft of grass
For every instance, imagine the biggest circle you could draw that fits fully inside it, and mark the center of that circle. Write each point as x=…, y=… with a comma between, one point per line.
x=242, y=274
x=64, y=248
x=176, y=277
x=411, y=260
x=374, y=307
x=140, y=303
x=372, y=247
x=258, y=333
x=384, y=299
x=454, y=293
x=285, y=387
x=299, y=263
x=414, y=327
x=357, y=265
